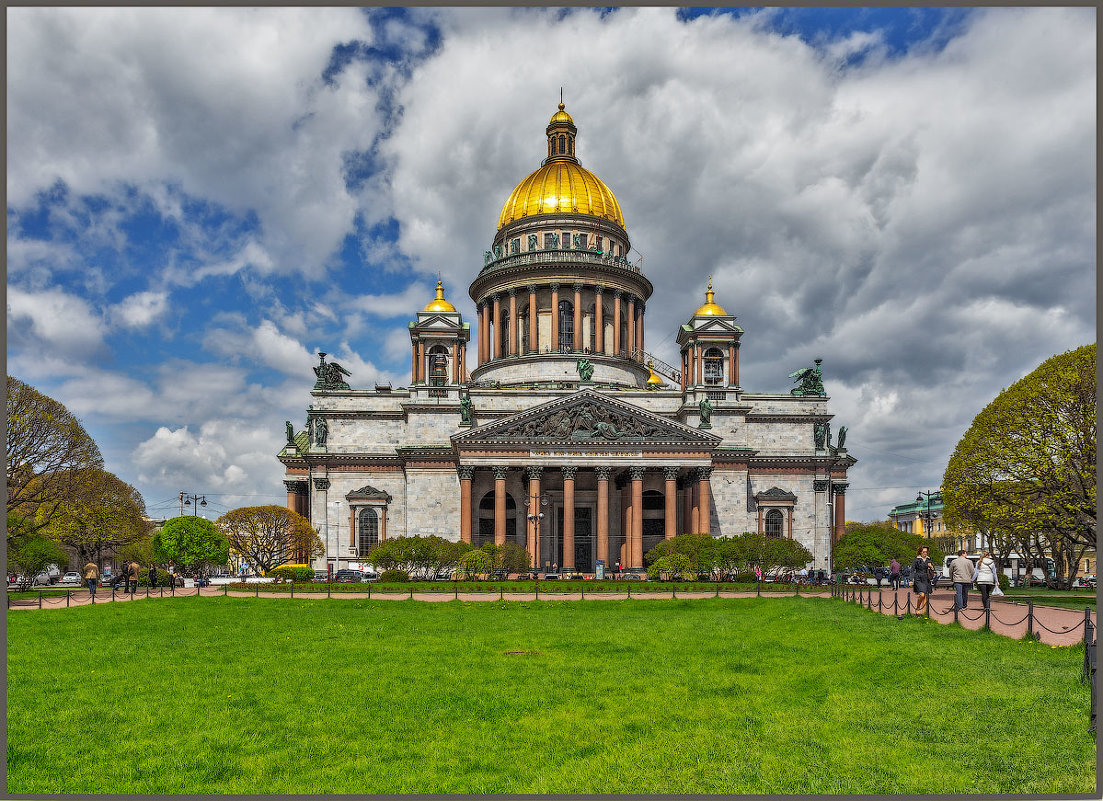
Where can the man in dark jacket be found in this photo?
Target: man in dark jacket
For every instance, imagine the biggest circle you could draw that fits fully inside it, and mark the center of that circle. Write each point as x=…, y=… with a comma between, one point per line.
x=894, y=574
x=152, y=576
x=962, y=571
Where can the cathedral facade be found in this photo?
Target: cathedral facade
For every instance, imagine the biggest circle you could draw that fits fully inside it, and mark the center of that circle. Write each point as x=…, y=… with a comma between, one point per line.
x=566, y=436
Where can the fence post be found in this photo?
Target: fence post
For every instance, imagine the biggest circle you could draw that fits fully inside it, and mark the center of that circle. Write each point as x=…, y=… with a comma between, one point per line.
x=501, y=593
x=455, y=591
x=256, y=590
x=909, y=610
x=896, y=602
x=225, y=589
x=67, y=599
x=717, y=595
x=162, y=590
x=629, y=589
x=292, y=588
x=988, y=617
x=1088, y=643
x=878, y=600
x=329, y=589
x=583, y=588
x=411, y=592
x=40, y=599
x=112, y=592
x=672, y=589
x=1030, y=618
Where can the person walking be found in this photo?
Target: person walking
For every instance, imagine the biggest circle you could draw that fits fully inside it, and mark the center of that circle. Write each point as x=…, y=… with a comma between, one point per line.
x=132, y=577
x=152, y=576
x=894, y=574
x=92, y=576
x=922, y=571
x=962, y=573
x=987, y=578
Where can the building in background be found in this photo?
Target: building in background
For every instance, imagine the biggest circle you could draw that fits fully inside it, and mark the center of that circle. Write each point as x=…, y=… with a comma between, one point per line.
x=567, y=437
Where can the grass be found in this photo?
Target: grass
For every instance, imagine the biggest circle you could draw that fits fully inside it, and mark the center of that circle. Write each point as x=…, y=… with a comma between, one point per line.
x=798, y=695
x=525, y=586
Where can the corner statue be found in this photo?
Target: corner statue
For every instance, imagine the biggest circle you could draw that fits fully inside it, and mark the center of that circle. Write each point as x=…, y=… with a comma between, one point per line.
x=809, y=380
x=841, y=445
x=290, y=432
x=329, y=375
x=585, y=370
x=466, y=411
x=706, y=414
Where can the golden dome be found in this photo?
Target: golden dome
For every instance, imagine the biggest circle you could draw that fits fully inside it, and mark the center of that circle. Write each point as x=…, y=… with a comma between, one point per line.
x=561, y=187
x=560, y=116
x=710, y=309
x=439, y=304
x=653, y=380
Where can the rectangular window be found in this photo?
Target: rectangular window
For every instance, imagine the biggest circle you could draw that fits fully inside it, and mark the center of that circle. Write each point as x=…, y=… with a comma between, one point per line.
x=514, y=247
x=549, y=241
x=597, y=243
x=566, y=240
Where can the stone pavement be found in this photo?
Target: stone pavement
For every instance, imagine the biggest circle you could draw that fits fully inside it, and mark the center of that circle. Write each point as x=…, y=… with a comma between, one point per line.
x=1054, y=625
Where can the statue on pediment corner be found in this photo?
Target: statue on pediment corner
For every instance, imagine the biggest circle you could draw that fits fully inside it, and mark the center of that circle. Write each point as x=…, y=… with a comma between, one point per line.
x=809, y=380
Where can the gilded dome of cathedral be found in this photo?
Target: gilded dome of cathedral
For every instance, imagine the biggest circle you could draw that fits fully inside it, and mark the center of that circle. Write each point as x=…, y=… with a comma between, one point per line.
x=561, y=185
x=439, y=304
x=710, y=309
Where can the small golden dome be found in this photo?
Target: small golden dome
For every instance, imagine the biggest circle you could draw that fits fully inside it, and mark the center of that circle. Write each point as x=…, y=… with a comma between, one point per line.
x=710, y=309
x=561, y=116
x=653, y=380
x=561, y=187
x=439, y=304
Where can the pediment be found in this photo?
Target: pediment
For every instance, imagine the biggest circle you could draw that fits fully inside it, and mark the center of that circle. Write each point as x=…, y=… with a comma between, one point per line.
x=775, y=494
x=437, y=321
x=727, y=325
x=590, y=418
x=368, y=492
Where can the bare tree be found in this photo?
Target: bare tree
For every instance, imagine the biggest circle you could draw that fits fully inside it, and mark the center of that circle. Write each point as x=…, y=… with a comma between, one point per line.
x=270, y=536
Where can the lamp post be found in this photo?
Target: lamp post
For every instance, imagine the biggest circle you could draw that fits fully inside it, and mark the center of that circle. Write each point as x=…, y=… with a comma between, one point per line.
x=535, y=503
x=337, y=539
x=186, y=499
x=926, y=514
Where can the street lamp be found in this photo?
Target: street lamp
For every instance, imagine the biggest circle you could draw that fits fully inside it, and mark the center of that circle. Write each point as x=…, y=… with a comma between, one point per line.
x=534, y=517
x=337, y=538
x=926, y=514
x=186, y=499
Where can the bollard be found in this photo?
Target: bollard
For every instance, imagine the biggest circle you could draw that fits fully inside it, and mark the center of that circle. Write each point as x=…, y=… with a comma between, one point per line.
x=717, y=590
x=256, y=590
x=501, y=593
x=162, y=591
x=672, y=585
x=896, y=602
x=40, y=599
x=112, y=592
x=225, y=589
x=909, y=610
x=1030, y=618
x=988, y=617
x=583, y=588
x=67, y=599
x=411, y=592
x=292, y=588
x=629, y=589
x=455, y=591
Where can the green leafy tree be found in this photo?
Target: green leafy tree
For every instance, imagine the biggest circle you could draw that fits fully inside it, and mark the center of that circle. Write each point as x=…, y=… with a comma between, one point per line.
x=1026, y=466
x=877, y=544
x=508, y=558
x=474, y=564
x=421, y=557
x=191, y=542
x=102, y=515
x=48, y=454
x=701, y=550
x=268, y=536
x=33, y=553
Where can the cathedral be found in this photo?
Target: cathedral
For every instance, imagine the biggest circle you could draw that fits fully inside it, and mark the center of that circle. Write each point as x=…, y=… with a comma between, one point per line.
x=566, y=436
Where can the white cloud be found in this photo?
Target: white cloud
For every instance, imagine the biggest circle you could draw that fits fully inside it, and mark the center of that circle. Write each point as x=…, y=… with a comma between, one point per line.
x=55, y=320
x=140, y=309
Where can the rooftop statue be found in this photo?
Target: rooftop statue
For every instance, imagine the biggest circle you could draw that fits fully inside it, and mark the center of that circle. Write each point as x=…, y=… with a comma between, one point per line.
x=290, y=432
x=841, y=446
x=809, y=380
x=329, y=375
x=585, y=370
x=706, y=414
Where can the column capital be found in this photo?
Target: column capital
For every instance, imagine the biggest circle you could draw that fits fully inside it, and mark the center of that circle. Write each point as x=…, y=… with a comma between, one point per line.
x=554, y=287
x=569, y=473
x=670, y=473
x=534, y=472
x=704, y=473
x=577, y=286
x=298, y=487
x=496, y=297
x=466, y=472
x=531, y=288
x=603, y=473
x=636, y=473
x=618, y=293
x=820, y=485
x=321, y=483
x=512, y=291
x=631, y=298
x=840, y=488
x=599, y=289
x=500, y=472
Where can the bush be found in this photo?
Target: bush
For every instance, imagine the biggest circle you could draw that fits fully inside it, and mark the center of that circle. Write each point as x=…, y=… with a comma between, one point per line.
x=1005, y=582
x=162, y=577
x=301, y=573
x=394, y=575
x=745, y=576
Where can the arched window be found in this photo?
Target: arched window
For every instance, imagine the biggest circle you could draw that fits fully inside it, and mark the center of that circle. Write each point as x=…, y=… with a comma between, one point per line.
x=503, y=333
x=570, y=146
x=368, y=534
x=775, y=523
x=714, y=366
x=523, y=333
x=566, y=326
x=562, y=144
x=438, y=366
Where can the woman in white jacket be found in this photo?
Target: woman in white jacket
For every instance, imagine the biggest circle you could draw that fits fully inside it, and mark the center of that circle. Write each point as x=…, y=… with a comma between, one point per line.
x=986, y=577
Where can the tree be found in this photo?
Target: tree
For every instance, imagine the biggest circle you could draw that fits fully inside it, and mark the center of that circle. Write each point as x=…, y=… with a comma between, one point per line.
x=1026, y=466
x=33, y=553
x=877, y=544
x=102, y=514
x=191, y=542
x=419, y=556
x=701, y=551
x=48, y=454
x=270, y=536
x=771, y=554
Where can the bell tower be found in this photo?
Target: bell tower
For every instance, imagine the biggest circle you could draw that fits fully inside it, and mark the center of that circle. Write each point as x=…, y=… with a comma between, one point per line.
x=709, y=344
x=439, y=338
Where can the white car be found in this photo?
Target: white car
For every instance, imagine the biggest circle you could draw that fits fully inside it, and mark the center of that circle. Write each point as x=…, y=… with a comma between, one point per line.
x=71, y=578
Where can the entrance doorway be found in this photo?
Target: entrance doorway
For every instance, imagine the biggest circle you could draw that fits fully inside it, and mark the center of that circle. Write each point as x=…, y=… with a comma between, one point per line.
x=583, y=538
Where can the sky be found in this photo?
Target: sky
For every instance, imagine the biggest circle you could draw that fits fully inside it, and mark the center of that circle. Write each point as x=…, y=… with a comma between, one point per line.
x=201, y=199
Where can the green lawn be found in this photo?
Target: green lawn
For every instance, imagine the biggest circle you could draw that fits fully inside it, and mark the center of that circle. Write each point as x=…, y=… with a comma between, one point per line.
x=781, y=695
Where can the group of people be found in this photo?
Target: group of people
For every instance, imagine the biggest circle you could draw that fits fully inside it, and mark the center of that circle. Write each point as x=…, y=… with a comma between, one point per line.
x=130, y=572
x=963, y=574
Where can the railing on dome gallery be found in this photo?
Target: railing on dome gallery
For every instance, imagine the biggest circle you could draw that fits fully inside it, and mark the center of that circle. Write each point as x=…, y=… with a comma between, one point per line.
x=558, y=257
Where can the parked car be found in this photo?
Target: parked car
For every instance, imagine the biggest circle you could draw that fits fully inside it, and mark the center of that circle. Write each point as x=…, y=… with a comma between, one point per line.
x=1085, y=582
x=348, y=576
x=72, y=577
x=321, y=575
